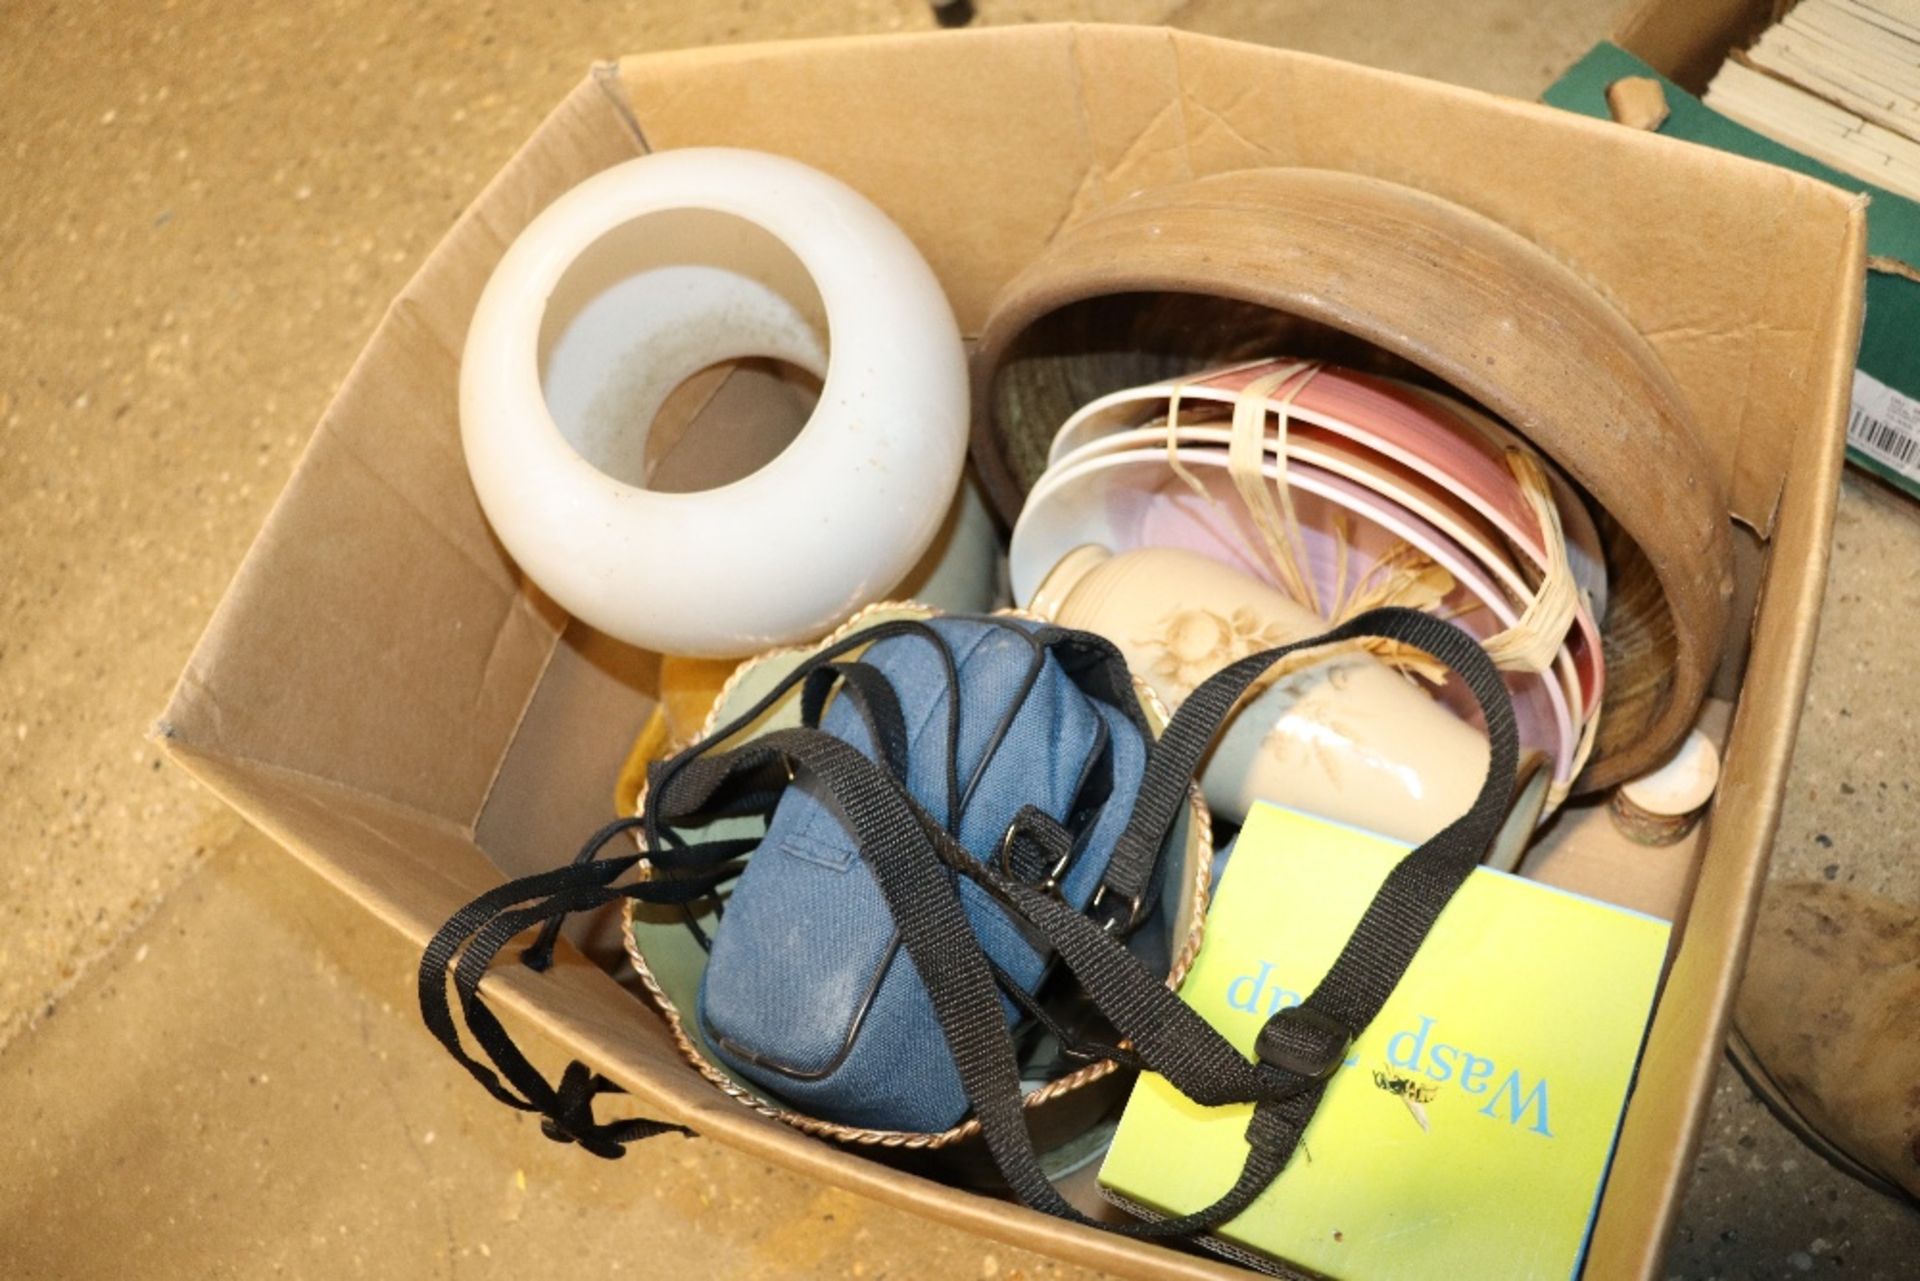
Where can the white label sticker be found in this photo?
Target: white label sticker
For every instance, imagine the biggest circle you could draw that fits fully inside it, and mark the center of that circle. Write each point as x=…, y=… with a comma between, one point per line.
x=1885, y=425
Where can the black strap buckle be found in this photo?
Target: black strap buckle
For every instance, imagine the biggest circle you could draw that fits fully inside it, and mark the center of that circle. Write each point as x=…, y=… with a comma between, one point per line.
x=1305, y=1042
x=1006, y=858
x=1114, y=915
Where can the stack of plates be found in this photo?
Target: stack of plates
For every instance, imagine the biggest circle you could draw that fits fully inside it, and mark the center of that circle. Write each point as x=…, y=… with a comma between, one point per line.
x=1373, y=468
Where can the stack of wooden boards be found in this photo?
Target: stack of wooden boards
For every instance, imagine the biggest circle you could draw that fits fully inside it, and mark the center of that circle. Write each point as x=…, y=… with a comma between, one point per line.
x=1838, y=80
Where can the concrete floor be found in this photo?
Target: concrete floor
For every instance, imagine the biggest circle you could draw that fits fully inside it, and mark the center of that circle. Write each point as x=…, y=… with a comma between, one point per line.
x=210, y=1060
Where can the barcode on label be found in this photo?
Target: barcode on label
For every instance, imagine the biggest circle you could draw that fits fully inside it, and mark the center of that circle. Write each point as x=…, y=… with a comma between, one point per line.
x=1882, y=439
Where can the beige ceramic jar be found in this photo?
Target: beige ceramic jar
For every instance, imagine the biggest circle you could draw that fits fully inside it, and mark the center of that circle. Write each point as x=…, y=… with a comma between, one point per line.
x=1348, y=738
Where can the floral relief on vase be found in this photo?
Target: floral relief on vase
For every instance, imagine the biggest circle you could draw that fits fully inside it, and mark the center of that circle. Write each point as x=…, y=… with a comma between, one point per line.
x=1192, y=644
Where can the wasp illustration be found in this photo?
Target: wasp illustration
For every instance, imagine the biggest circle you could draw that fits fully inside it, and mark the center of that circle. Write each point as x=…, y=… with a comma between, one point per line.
x=1416, y=1094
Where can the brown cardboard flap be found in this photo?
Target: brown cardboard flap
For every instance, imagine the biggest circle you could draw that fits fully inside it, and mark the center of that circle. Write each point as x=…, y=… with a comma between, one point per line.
x=981, y=150
x=1661, y=1132
x=377, y=634
x=557, y=780
x=1687, y=42
x=415, y=870
x=410, y=867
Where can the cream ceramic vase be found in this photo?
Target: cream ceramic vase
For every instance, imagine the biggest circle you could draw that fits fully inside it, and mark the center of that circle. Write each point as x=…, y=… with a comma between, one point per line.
x=1348, y=738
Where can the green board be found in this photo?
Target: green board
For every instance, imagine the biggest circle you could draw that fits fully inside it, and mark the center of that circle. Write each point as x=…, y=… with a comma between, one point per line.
x=1883, y=434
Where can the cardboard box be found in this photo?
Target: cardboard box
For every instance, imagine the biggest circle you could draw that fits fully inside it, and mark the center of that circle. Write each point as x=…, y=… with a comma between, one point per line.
x=1684, y=42
x=383, y=692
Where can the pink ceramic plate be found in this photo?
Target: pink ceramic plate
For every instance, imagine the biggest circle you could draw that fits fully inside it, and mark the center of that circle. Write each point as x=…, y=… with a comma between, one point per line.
x=1406, y=427
x=1583, y=537
x=1132, y=499
x=1578, y=663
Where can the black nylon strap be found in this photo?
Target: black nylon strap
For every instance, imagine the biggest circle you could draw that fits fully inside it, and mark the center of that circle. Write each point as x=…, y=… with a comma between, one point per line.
x=568, y=1109
x=1094, y=662
x=914, y=860
x=1300, y=1048
x=485, y=925
x=655, y=836
x=872, y=694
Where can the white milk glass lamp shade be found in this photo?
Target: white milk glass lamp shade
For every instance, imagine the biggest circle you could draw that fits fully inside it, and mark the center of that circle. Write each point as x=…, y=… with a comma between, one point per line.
x=642, y=277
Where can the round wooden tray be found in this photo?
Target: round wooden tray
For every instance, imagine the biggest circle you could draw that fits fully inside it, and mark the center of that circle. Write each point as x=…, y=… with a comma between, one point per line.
x=1369, y=272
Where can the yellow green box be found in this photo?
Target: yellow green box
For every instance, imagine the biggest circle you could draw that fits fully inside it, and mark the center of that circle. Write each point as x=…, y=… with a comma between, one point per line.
x=1469, y=1132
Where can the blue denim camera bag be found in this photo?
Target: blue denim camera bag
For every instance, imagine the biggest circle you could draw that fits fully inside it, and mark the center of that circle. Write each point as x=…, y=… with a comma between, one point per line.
x=807, y=992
